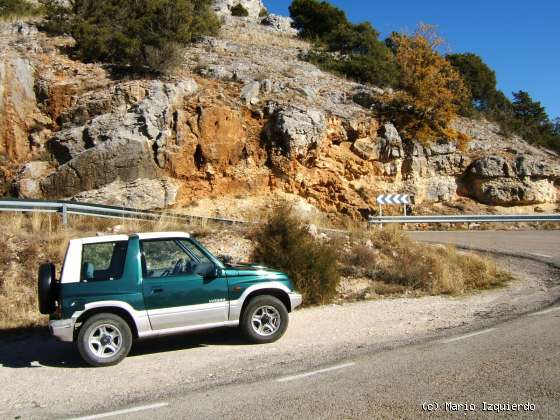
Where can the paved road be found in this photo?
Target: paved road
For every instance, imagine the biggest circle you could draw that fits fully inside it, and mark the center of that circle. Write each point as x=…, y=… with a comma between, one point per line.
x=539, y=245
x=517, y=362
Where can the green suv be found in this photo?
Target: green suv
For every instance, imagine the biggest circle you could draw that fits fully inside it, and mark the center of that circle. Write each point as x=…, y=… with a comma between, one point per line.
x=114, y=289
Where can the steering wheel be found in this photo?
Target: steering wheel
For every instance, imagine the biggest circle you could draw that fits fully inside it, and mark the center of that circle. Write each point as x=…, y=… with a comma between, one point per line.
x=179, y=266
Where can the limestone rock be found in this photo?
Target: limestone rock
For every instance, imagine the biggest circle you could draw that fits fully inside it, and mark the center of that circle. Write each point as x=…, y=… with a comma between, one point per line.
x=296, y=130
x=280, y=24
x=366, y=149
x=143, y=194
x=513, y=192
x=492, y=167
x=250, y=93
x=390, y=143
x=527, y=166
x=214, y=71
x=28, y=179
x=19, y=114
x=254, y=7
x=125, y=159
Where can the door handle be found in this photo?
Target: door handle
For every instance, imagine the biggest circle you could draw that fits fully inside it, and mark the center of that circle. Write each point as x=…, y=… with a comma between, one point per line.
x=157, y=290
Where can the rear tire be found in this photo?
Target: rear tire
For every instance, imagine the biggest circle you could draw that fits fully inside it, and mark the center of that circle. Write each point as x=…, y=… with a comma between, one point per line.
x=264, y=320
x=104, y=340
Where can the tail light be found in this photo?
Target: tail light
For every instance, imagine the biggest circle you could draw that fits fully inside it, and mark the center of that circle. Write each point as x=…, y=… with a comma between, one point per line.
x=58, y=310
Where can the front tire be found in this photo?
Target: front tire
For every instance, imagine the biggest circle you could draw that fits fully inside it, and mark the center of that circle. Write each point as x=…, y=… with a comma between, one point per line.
x=264, y=320
x=104, y=340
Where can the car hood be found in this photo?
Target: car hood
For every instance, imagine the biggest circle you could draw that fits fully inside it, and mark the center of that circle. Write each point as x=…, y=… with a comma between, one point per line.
x=251, y=270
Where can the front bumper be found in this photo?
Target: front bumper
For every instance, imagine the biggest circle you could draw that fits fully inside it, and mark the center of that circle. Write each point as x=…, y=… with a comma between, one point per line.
x=295, y=300
x=62, y=329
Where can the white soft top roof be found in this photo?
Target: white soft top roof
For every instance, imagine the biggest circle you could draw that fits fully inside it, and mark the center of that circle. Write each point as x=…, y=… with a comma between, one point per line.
x=146, y=235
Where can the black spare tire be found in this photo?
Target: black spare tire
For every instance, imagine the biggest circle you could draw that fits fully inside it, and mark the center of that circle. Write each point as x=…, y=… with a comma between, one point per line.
x=46, y=288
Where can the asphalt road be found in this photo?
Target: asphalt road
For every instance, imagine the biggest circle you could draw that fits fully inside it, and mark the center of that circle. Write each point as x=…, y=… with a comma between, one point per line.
x=538, y=245
x=517, y=362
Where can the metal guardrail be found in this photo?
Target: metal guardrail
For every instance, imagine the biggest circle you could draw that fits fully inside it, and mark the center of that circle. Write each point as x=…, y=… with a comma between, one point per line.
x=69, y=207
x=466, y=219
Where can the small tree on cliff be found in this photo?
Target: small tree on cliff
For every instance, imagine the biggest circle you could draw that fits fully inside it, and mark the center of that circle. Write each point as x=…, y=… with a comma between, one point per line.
x=432, y=90
x=137, y=33
x=479, y=78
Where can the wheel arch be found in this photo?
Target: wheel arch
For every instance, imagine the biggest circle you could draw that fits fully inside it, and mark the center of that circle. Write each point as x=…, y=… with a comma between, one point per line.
x=277, y=293
x=115, y=310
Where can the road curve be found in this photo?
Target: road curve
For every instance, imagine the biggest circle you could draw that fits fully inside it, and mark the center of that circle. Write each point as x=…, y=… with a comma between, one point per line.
x=539, y=245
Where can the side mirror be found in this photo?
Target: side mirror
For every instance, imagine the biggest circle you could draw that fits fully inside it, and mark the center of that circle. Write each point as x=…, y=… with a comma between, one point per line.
x=208, y=271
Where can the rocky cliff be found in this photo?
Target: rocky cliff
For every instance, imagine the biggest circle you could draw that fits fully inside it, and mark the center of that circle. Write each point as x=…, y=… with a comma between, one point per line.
x=245, y=117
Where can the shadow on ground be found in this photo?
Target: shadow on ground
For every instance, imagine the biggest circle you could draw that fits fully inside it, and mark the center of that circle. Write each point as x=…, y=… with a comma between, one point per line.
x=35, y=347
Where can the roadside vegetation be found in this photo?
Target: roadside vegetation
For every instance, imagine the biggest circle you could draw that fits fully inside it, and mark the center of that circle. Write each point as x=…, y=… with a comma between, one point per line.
x=141, y=35
x=18, y=8
x=387, y=262
x=284, y=243
x=364, y=264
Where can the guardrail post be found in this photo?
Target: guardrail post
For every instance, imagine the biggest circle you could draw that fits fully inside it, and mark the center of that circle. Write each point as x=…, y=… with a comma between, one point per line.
x=64, y=215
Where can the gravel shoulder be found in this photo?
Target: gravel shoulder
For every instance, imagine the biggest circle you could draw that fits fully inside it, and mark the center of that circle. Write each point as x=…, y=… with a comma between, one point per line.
x=47, y=379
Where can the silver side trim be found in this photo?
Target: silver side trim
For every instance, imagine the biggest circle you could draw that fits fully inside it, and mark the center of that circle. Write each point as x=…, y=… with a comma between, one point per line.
x=140, y=317
x=186, y=316
x=295, y=300
x=188, y=308
x=170, y=331
x=62, y=329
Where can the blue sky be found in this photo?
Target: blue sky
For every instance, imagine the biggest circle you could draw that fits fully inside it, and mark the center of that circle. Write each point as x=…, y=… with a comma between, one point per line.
x=519, y=39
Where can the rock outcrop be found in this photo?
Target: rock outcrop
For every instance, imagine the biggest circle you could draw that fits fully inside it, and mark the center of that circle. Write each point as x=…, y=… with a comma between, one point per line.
x=143, y=194
x=253, y=7
x=245, y=116
x=279, y=24
x=117, y=146
x=495, y=180
x=296, y=131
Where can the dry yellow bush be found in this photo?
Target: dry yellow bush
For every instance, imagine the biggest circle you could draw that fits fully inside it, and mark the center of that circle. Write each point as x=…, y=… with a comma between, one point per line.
x=433, y=91
x=391, y=257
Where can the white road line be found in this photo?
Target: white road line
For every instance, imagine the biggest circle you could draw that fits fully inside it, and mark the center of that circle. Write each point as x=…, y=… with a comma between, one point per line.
x=462, y=337
x=315, y=372
x=121, y=412
x=541, y=255
x=546, y=311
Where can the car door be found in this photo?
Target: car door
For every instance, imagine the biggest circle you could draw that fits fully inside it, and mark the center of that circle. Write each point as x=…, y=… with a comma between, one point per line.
x=177, y=294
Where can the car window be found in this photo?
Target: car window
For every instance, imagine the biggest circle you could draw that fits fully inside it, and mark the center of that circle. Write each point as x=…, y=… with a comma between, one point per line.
x=103, y=261
x=196, y=251
x=166, y=258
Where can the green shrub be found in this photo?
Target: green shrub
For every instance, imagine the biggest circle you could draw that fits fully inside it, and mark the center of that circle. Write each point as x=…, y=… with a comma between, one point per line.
x=316, y=19
x=239, y=11
x=263, y=13
x=351, y=50
x=285, y=244
x=478, y=77
x=136, y=33
x=12, y=8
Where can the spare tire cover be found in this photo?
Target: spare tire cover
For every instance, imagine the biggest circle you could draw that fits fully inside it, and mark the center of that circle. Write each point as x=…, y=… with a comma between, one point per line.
x=46, y=285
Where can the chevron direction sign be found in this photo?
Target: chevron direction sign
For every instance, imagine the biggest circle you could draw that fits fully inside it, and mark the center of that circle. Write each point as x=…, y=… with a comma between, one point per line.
x=393, y=199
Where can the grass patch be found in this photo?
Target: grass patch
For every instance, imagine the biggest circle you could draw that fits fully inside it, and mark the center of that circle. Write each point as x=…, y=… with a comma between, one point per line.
x=389, y=256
